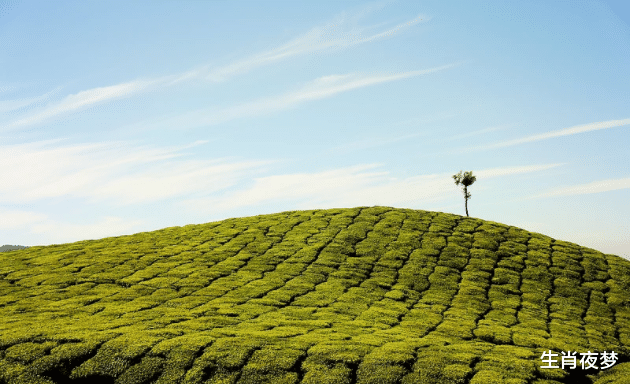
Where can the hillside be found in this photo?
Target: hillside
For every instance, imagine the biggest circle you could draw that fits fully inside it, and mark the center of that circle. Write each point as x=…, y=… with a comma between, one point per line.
x=361, y=295
x=6, y=248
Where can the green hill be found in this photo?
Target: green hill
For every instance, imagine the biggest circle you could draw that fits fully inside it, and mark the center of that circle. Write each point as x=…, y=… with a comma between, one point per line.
x=361, y=295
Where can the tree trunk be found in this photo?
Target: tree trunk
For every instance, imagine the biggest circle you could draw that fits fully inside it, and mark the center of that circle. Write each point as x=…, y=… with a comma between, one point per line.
x=466, y=199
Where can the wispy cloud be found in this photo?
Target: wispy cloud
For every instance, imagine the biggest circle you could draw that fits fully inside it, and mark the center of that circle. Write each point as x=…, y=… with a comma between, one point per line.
x=17, y=104
x=176, y=179
x=593, y=187
x=350, y=186
x=334, y=35
x=6, y=88
x=101, y=171
x=331, y=36
x=320, y=88
x=62, y=232
x=16, y=219
x=478, y=132
x=562, y=132
x=506, y=171
x=87, y=98
x=82, y=100
x=53, y=231
x=374, y=142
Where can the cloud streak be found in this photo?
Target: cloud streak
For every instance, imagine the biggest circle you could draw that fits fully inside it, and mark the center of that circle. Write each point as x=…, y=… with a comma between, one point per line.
x=13, y=105
x=562, y=132
x=41, y=170
x=12, y=219
x=593, y=187
x=373, y=142
x=506, y=171
x=56, y=232
x=476, y=133
x=321, y=88
x=84, y=99
x=330, y=36
x=61, y=232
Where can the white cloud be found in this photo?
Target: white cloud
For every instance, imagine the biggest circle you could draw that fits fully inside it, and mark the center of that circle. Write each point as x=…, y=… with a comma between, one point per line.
x=329, y=85
x=12, y=105
x=61, y=232
x=506, y=171
x=341, y=181
x=374, y=142
x=478, y=132
x=29, y=223
x=594, y=187
x=84, y=99
x=12, y=219
x=7, y=88
x=562, y=132
x=183, y=178
x=41, y=170
x=614, y=240
x=351, y=186
x=320, y=88
x=331, y=36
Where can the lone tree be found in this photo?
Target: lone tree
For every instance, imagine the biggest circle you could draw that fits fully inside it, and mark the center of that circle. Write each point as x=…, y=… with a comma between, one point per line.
x=466, y=180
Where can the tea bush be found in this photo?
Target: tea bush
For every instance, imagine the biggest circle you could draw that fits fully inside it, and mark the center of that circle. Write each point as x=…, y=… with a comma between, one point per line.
x=361, y=295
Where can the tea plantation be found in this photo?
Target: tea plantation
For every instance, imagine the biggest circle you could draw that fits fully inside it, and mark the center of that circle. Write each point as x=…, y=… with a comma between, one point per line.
x=361, y=295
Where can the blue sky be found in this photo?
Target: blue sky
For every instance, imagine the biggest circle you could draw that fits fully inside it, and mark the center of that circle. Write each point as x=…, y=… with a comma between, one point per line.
x=118, y=117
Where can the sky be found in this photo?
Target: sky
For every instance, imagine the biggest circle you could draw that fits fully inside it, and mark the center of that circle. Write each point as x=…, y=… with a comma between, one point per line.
x=119, y=117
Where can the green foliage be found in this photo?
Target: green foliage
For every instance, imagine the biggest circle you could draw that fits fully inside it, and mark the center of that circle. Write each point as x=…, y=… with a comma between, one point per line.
x=143, y=372
x=466, y=179
x=362, y=295
x=25, y=353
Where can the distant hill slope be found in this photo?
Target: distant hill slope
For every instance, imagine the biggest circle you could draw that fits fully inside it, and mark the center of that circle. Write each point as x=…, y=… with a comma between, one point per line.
x=6, y=248
x=360, y=295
